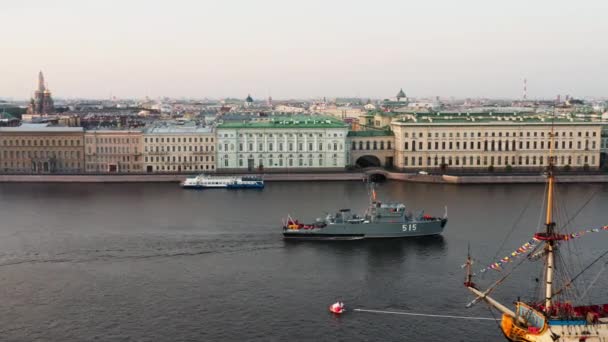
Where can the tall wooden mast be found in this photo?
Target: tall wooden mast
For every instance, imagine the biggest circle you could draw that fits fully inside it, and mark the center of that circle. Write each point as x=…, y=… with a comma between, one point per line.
x=550, y=226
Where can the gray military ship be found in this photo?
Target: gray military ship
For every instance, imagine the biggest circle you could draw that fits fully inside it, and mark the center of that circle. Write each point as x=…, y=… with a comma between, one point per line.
x=381, y=220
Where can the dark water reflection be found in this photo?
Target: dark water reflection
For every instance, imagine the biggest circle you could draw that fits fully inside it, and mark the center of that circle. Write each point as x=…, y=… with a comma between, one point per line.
x=150, y=262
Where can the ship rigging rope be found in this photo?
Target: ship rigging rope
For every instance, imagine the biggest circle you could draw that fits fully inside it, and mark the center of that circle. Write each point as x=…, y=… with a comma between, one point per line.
x=580, y=209
x=425, y=315
x=498, y=322
x=564, y=275
x=569, y=260
x=515, y=223
x=594, y=281
x=572, y=248
x=581, y=272
x=488, y=291
x=561, y=271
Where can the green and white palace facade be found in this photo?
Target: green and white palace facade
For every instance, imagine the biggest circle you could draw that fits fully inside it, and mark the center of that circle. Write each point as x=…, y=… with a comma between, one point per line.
x=291, y=143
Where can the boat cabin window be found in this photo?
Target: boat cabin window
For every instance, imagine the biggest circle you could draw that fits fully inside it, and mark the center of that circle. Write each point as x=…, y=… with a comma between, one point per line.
x=533, y=317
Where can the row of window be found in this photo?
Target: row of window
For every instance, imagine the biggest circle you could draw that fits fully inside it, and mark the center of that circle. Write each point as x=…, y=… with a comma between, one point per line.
x=288, y=136
x=178, y=140
x=499, y=145
x=103, y=167
x=40, y=154
x=494, y=134
x=39, y=166
x=494, y=161
x=99, y=140
x=310, y=147
x=180, y=167
x=111, y=159
x=368, y=145
x=112, y=149
x=280, y=135
x=283, y=141
x=179, y=159
x=40, y=142
x=280, y=156
x=190, y=148
x=284, y=162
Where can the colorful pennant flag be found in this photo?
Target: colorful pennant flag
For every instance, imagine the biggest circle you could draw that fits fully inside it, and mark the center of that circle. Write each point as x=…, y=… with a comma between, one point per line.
x=531, y=244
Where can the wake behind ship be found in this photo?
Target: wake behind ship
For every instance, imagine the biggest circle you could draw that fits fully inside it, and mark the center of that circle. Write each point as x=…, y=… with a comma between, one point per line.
x=381, y=220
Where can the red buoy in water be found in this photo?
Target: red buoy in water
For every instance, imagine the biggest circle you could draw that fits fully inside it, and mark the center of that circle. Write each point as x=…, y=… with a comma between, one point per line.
x=337, y=308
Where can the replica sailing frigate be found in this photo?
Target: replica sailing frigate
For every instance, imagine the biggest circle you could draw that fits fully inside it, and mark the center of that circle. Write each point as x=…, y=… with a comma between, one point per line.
x=548, y=319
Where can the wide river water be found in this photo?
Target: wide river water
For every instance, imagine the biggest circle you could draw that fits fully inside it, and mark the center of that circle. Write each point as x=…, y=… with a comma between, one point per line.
x=153, y=262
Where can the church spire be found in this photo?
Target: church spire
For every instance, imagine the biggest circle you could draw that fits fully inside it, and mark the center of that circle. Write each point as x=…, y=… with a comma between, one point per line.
x=42, y=102
x=41, y=86
x=401, y=94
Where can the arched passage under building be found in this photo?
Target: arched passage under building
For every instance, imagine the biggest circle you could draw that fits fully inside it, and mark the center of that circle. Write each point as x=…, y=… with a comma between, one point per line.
x=376, y=177
x=368, y=161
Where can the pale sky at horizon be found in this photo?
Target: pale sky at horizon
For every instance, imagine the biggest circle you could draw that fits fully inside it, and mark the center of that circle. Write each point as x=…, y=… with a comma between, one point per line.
x=303, y=49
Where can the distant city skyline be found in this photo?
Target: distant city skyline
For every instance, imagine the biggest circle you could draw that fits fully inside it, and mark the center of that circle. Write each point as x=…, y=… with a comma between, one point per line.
x=197, y=49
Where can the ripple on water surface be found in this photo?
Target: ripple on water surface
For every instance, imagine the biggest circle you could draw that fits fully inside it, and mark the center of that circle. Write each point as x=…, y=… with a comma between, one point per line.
x=150, y=262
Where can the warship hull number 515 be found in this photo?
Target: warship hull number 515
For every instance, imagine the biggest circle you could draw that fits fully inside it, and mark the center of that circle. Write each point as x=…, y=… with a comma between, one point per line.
x=381, y=220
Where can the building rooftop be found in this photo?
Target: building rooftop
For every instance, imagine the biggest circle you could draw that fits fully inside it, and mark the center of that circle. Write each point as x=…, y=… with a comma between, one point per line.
x=295, y=121
x=371, y=133
x=24, y=128
x=34, y=125
x=387, y=114
x=482, y=112
x=7, y=116
x=178, y=129
x=491, y=120
x=238, y=116
x=108, y=130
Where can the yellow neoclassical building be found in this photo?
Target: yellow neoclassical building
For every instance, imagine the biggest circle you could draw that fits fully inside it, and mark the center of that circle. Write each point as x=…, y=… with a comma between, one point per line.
x=604, y=147
x=494, y=143
x=113, y=151
x=172, y=148
x=41, y=149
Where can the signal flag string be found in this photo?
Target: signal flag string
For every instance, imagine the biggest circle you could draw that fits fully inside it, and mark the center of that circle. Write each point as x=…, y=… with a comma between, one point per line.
x=497, y=266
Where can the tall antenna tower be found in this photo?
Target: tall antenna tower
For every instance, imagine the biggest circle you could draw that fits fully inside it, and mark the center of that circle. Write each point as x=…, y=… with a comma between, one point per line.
x=525, y=89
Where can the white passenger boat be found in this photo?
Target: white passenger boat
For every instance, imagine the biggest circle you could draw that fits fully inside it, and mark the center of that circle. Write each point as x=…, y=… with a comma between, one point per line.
x=226, y=182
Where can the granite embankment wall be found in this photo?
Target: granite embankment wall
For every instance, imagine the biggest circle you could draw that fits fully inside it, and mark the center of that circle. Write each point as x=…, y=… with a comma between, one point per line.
x=491, y=179
x=155, y=178
x=524, y=179
x=290, y=177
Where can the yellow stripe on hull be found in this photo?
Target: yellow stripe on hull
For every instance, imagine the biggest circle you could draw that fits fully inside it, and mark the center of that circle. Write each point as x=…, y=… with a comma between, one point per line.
x=597, y=332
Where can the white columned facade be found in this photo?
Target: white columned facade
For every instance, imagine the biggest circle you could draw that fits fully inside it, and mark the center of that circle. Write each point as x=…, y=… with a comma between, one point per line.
x=284, y=144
